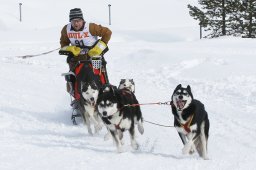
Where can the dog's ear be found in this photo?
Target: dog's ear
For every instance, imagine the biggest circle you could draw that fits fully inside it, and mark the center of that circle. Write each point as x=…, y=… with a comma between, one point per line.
x=99, y=96
x=100, y=91
x=188, y=87
x=113, y=89
x=178, y=87
x=122, y=81
x=94, y=85
x=189, y=91
x=131, y=80
x=104, y=88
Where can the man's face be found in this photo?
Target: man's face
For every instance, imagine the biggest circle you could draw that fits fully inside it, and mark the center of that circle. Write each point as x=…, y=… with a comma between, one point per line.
x=77, y=23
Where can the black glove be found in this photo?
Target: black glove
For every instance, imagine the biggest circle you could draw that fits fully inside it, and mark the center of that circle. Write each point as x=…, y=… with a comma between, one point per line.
x=70, y=58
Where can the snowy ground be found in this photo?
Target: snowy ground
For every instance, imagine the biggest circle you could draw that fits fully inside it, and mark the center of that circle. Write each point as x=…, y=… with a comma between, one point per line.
x=35, y=127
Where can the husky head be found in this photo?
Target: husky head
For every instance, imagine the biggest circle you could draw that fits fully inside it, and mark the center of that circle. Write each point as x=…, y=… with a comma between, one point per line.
x=127, y=84
x=182, y=97
x=108, y=102
x=89, y=92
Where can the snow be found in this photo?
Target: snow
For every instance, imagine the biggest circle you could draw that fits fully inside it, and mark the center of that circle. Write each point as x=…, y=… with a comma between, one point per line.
x=157, y=44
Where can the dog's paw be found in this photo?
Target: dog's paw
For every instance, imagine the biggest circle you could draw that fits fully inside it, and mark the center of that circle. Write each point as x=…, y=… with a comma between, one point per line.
x=107, y=136
x=192, y=150
x=187, y=147
x=120, y=150
x=135, y=146
x=122, y=141
x=184, y=151
x=206, y=158
x=98, y=127
x=90, y=131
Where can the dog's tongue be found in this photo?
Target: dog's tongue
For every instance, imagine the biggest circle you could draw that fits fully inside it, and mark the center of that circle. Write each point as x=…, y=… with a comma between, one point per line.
x=180, y=104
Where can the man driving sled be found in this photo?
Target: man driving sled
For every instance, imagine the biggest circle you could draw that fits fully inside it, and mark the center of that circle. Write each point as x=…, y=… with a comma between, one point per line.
x=79, y=41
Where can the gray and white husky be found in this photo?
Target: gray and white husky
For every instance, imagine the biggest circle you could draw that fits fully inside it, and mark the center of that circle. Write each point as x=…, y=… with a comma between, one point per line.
x=191, y=121
x=117, y=117
x=89, y=91
x=127, y=84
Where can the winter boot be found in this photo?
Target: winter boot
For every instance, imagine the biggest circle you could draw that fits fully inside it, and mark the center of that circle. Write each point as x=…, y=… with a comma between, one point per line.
x=70, y=88
x=77, y=110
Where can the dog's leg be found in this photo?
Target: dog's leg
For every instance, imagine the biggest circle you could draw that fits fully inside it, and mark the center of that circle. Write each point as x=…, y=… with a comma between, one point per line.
x=134, y=143
x=183, y=138
x=117, y=141
x=120, y=135
x=203, y=142
x=93, y=119
x=87, y=122
x=189, y=147
x=184, y=141
x=196, y=146
x=107, y=135
x=98, y=124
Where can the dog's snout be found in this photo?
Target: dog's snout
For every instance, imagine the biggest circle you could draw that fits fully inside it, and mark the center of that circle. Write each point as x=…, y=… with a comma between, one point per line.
x=104, y=113
x=180, y=97
x=92, y=98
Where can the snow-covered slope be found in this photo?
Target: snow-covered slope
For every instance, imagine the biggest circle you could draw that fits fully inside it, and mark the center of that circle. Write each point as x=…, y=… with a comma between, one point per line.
x=156, y=44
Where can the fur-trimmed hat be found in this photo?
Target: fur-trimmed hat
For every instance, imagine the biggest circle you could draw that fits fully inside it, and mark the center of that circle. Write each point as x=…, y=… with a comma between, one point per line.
x=75, y=13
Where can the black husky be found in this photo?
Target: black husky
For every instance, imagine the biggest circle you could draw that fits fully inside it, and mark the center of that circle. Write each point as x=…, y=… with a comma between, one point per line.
x=191, y=121
x=113, y=107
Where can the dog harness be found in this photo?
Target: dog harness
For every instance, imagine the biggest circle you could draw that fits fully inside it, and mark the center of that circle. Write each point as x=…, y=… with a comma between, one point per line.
x=118, y=125
x=186, y=126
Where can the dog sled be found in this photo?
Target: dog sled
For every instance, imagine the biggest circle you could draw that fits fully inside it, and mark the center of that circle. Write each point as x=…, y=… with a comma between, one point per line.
x=86, y=70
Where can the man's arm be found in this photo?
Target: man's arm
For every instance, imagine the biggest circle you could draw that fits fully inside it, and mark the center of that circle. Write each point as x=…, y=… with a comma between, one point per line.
x=98, y=30
x=64, y=40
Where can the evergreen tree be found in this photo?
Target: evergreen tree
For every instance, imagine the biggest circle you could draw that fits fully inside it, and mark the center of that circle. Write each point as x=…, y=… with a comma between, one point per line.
x=234, y=11
x=226, y=17
x=248, y=17
x=220, y=17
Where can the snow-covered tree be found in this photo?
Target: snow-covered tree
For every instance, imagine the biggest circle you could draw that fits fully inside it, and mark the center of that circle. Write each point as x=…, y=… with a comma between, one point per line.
x=212, y=16
x=225, y=17
x=248, y=16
